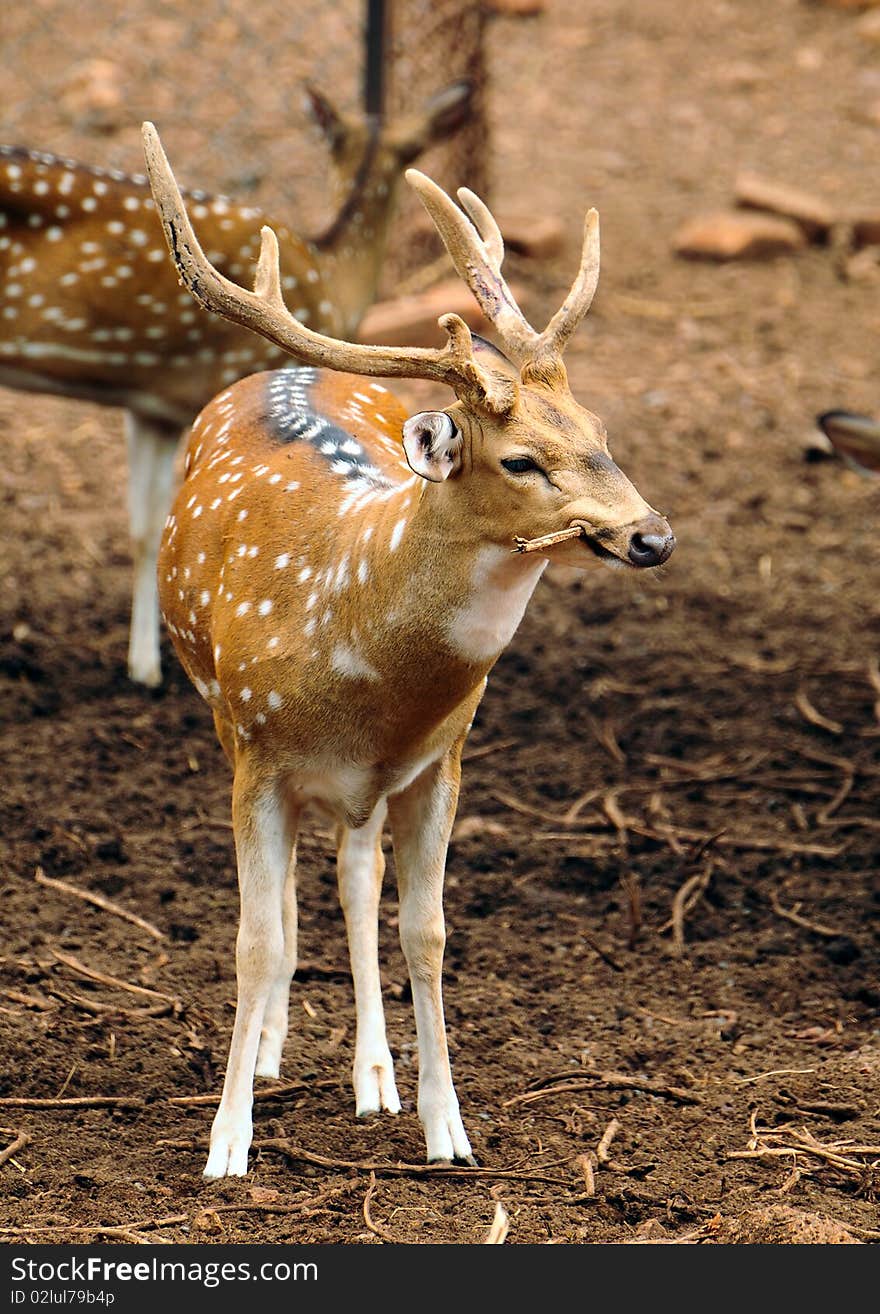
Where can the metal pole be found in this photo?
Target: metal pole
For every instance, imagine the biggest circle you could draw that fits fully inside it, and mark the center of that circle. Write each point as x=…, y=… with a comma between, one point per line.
x=376, y=46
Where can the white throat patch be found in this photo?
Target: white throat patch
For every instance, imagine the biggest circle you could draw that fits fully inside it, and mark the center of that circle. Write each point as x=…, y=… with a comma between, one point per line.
x=500, y=588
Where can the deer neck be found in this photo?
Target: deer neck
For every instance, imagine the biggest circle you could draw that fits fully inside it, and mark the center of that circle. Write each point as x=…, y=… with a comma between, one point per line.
x=406, y=616
x=353, y=247
x=458, y=598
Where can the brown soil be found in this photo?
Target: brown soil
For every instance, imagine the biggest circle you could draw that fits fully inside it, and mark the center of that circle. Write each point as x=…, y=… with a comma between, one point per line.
x=715, y=720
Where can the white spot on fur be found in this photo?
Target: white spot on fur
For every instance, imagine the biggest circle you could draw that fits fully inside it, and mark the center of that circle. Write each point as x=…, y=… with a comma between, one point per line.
x=350, y=663
x=397, y=535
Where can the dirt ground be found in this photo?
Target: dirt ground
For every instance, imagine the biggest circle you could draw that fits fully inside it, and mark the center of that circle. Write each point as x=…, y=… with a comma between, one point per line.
x=662, y=970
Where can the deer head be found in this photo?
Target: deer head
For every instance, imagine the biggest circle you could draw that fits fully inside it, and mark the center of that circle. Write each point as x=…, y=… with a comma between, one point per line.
x=536, y=460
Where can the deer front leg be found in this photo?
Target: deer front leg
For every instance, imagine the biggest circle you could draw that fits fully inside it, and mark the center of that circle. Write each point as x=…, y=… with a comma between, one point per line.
x=421, y=822
x=361, y=866
x=263, y=841
x=151, y=451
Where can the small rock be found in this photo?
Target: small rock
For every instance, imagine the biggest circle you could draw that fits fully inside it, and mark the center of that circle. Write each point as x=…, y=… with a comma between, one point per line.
x=731, y=235
x=93, y=96
x=208, y=1221
x=651, y=1230
x=412, y=321
x=538, y=238
x=813, y=214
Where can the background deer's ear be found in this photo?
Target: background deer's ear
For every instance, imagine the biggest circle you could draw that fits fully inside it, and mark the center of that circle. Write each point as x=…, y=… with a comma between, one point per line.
x=441, y=116
x=325, y=114
x=432, y=445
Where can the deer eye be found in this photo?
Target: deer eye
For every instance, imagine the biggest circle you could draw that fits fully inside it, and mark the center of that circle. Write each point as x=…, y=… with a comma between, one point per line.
x=520, y=464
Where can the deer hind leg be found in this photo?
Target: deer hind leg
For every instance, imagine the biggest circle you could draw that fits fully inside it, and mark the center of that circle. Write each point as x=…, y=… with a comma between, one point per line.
x=360, y=868
x=226, y=735
x=275, y=1018
x=421, y=822
x=264, y=828
x=152, y=447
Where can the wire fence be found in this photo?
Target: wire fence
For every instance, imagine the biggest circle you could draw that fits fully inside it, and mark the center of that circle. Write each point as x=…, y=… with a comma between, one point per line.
x=223, y=82
x=431, y=43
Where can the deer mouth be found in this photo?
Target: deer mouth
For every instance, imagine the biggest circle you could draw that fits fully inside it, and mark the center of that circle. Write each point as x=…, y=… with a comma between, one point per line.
x=599, y=549
x=600, y=543
x=641, y=545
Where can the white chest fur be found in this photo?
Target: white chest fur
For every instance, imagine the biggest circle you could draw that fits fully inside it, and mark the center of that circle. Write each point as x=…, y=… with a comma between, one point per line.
x=500, y=587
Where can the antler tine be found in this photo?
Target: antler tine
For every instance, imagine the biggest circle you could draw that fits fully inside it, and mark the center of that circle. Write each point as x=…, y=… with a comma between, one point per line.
x=267, y=279
x=485, y=223
x=264, y=311
x=474, y=242
x=579, y=299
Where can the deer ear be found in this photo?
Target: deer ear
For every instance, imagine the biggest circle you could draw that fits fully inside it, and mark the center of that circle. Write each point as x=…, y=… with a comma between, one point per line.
x=441, y=116
x=432, y=445
x=325, y=114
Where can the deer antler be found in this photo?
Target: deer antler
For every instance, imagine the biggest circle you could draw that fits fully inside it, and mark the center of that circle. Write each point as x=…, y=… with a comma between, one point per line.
x=264, y=311
x=473, y=240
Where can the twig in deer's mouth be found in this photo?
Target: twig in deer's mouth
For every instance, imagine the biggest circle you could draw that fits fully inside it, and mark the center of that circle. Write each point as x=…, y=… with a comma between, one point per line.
x=547, y=540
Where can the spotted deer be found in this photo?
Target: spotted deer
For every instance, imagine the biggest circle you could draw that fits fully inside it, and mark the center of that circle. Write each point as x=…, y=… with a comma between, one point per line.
x=338, y=579
x=90, y=306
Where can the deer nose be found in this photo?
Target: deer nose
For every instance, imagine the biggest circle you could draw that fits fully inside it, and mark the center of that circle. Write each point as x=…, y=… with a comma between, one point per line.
x=652, y=543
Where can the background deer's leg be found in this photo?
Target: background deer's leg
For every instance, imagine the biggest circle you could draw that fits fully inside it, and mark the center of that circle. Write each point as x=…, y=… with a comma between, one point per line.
x=152, y=447
x=421, y=822
x=264, y=840
x=360, y=868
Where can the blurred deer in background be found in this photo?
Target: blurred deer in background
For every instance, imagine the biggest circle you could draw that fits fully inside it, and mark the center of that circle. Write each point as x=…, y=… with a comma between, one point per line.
x=338, y=599
x=855, y=437
x=90, y=306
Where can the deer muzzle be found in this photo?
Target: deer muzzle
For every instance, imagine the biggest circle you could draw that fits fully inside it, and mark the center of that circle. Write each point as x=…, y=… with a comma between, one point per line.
x=643, y=543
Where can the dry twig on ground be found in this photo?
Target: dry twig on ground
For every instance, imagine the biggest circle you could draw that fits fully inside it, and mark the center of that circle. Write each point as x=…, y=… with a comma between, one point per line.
x=291, y=1151
x=376, y=1228
x=132, y=1232
x=21, y=1140
x=115, y=982
x=809, y=713
x=499, y=1227
x=792, y=915
x=574, y=1080
x=686, y=897
x=99, y=901
x=72, y=1102
x=807, y=1154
